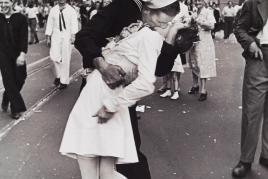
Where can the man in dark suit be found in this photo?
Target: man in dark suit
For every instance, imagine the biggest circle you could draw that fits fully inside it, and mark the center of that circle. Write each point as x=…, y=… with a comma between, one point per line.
x=251, y=30
x=85, y=11
x=109, y=22
x=13, y=48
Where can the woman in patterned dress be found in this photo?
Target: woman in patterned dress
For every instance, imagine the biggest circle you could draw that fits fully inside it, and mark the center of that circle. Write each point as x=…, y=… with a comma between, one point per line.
x=202, y=54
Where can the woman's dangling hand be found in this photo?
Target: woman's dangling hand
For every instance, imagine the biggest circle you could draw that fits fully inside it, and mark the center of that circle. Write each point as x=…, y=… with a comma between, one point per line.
x=103, y=115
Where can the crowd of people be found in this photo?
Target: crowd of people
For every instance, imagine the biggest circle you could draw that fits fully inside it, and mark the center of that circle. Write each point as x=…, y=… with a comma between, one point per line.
x=37, y=13
x=201, y=57
x=125, y=45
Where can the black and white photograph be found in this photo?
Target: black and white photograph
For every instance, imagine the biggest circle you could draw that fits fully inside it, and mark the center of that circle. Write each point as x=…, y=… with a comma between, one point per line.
x=134, y=89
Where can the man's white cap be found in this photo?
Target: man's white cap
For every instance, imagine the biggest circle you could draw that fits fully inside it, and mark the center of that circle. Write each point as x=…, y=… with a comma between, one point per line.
x=156, y=4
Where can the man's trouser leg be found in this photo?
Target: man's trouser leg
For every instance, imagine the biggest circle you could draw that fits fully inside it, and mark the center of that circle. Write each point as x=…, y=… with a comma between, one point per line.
x=31, y=31
x=226, y=35
x=83, y=84
x=231, y=25
x=13, y=76
x=35, y=32
x=137, y=170
x=66, y=51
x=255, y=89
x=5, y=100
x=20, y=75
x=264, y=150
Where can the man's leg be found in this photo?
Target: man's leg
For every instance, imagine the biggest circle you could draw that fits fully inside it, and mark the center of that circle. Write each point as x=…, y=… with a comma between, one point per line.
x=264, y=151
x=31, y=31
x=20, y=76
x=253, y=102
x=137, y=170
x=55, y=55
x=56, y=69
x=231, y=27
x=83, y=84
x=5, y=102
x=35, y=32
x=66, y=59
x=253, y=99
x=225, y=27
x=8, y=71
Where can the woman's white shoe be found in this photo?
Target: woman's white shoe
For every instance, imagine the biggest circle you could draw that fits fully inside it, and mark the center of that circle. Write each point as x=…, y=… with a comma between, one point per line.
x=166, y=94
x=175, y=95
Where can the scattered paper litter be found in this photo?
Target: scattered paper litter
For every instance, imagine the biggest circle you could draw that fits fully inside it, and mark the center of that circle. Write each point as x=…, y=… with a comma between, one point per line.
x=140, y=108
x=185, y=112
x=148, y=107
x=187, y=133
x=240, y=107
x=160, y=110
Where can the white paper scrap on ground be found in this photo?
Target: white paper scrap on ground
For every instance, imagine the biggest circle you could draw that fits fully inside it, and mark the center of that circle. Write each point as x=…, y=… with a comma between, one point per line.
x=140, y=108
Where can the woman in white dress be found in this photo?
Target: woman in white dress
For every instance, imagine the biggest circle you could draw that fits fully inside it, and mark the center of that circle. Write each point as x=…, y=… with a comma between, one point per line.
x=202, y=54
x=98, y=132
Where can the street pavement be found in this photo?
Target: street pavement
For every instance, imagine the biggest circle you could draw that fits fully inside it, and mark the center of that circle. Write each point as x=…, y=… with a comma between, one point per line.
x=183, y=139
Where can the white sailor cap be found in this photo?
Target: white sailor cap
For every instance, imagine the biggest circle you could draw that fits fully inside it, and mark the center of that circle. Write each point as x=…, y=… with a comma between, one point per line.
x=156, y=4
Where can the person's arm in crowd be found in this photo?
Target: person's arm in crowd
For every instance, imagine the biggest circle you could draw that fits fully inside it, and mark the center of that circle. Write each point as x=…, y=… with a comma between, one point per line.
x=36, y=14
x=49, y=28
x=74, y=26
x=242, y=26
x=223, y=13
x=23, y=42
x=241, y=31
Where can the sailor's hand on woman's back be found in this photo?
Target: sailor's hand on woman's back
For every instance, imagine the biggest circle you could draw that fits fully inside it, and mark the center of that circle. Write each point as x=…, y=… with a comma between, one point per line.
x=112, y=75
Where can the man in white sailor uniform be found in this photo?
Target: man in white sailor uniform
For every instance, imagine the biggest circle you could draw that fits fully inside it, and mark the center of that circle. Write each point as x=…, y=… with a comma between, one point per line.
x=62, y=25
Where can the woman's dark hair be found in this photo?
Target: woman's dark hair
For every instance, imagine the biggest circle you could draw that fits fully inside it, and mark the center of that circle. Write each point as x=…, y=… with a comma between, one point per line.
x=171, y=10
